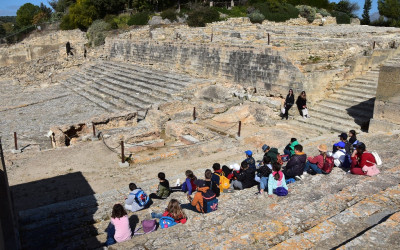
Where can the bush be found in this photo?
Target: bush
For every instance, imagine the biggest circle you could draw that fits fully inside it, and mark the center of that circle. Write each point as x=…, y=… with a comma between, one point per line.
x=110, y=19
x=307, y=12
x=256, y=17
x=199, y=17
x=81, y=15
x=341, y=17
x=276, y=11
x=140, y=18
x=96, y=32
x=323, y=12
x=169, y=14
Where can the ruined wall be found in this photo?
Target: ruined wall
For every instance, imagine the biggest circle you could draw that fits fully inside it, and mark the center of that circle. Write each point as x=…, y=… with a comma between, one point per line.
x=261, y=68
x=38, y=46
x=387, y=103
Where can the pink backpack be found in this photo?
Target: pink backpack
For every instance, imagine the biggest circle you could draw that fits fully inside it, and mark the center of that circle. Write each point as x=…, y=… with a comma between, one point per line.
x=371, y=171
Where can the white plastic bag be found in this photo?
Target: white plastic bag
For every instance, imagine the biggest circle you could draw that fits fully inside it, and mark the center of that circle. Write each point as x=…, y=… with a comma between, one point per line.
x=377, y=158
x=283, y=110
x=305, y=112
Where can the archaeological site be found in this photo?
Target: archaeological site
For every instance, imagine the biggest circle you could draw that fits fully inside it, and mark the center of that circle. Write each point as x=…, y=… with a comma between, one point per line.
x=77, y=129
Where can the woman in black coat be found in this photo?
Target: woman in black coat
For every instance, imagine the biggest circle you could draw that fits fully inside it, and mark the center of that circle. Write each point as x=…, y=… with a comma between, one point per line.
x=289, y=101
x=302, y=103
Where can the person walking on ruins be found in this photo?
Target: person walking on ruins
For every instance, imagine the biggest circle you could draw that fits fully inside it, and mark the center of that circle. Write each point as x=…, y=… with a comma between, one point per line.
x=289, y=102
x=302, y=104
x=69, y=49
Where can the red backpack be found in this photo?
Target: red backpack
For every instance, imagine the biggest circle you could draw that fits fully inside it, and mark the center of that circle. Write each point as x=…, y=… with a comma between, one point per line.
x=279, y=159
x=328, y=165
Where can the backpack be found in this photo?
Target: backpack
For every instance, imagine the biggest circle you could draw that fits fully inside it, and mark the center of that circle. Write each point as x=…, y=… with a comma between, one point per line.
x=281, y=191
x=210, y=202
x=223, y=182
x=141, y=198
x=166, y=222
x=347, y=161
x=148, y=227
x=328, y=165
x=377, y=158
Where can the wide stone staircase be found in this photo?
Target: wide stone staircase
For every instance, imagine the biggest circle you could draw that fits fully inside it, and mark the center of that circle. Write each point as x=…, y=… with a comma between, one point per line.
x=322, y=211
x=348, y=107
x=117, y=86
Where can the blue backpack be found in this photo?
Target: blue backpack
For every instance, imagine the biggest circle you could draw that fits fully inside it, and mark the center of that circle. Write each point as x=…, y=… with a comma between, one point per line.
x=347, y=161
x=166, y=222
x=141, y=198
x=210, y=205
x=281, y=191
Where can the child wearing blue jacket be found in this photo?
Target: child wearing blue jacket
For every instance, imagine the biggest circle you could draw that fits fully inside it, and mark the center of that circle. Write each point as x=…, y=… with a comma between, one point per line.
x=276, y=179
x=188, y=186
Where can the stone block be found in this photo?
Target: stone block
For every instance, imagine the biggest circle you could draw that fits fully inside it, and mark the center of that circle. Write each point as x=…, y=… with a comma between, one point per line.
x=188, y=139
x=134, y=148
x=355, y=21
x=157, y=118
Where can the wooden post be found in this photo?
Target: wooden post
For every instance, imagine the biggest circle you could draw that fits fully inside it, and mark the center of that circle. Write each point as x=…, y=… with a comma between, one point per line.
x=373, y=45
x=240, y=128
x=15, y=141
x=94, y=130
x=269, y=39
x=194, y=113
x=122, y=152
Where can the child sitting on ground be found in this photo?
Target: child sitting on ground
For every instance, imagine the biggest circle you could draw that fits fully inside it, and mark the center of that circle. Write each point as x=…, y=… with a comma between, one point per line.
x=204, y=193
x=174, y=211
x=244, y=179
x=289, y=149
x=250, y=160
x=263, y=173
x=276, y=181
x=137, y=198
x=211, y=184
x=340, y=153
x=163, y=188
x=118, y=230
x=188, y=186
x=316, y=163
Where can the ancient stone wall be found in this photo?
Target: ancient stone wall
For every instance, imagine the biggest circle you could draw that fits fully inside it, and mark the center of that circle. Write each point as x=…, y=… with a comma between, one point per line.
x=387, y=103
x=36, y=47
x=261, y=68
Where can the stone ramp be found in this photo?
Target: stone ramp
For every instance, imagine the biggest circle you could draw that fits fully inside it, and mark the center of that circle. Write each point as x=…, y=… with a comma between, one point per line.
x=117, y=86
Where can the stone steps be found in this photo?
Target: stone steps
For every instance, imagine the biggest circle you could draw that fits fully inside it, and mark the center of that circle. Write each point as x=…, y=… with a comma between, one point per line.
x=331, y=233
x=119, y=93
x=93, y=97
x=122, y=101
x=352, y=93
x=179, y=82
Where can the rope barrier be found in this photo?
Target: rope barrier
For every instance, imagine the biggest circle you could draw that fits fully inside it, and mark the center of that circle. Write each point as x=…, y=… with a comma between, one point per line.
x=112, y=149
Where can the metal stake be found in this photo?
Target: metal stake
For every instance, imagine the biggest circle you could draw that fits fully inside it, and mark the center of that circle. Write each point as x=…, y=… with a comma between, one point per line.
x=240, y=127
x=15, y=141
x=122, y=152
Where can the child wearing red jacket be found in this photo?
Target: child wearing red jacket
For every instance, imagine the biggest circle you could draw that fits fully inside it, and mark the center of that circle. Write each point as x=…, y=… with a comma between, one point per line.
x=361, y=158
x=174, y=211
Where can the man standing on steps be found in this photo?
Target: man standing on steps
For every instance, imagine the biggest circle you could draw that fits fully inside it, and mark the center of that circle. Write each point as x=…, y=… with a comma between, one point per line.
x=69, y=49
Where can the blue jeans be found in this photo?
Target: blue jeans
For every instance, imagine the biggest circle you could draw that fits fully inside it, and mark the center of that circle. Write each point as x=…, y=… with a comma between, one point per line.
x=313, y=167
x=110, y=235
x=286, y=152
x=156, y=215
x=263, y=183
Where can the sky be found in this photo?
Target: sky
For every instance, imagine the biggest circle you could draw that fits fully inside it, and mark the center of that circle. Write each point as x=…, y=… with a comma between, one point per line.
x=10, y=7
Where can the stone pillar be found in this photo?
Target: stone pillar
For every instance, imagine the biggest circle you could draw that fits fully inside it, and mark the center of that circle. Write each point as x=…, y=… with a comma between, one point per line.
x=387, y=103
x=232, y=4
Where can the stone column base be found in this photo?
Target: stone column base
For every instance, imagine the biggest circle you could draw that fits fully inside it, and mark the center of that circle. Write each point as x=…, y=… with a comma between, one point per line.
x=380, y=125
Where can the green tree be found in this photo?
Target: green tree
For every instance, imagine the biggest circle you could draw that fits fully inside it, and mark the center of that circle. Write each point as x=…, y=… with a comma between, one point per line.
x=389, y=9
x=61, y=5
x=347, y=7
x=105, y=7
x=365, y=15
x=26, y=13
x=3, y=31
x=46, y=10
x=81, y=15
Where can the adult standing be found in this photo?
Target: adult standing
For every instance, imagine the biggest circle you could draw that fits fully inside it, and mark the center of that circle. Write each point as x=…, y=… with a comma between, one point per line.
x=289, y=102
x=69, y=49
x=302, y=104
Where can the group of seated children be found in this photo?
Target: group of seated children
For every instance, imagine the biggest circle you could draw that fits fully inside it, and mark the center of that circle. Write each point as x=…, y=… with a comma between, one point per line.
x=269, y=175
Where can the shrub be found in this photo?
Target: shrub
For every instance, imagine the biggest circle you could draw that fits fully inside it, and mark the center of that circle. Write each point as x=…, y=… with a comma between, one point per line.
x=169, y=14
x=140, y=18
x=256, y=17
x=96, y=32
x=81, y=15
x=200, y=16
x=323, y=12
x=111, y=20
x=276, y=11
x=237, y=11
x=307, y=12
x=341, y=17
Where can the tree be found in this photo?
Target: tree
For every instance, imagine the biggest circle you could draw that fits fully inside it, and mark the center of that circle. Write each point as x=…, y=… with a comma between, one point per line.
x=81, y=15
x=46, y=10
x=105, y=7
x=61, y=5
x=390, y=9
x=347, y=7
x=26, y=13
x=365, y=15
x=2, y=30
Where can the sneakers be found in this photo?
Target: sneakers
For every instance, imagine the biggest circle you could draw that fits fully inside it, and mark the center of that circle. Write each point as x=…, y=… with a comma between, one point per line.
x=178, y=182
x=298, y=177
